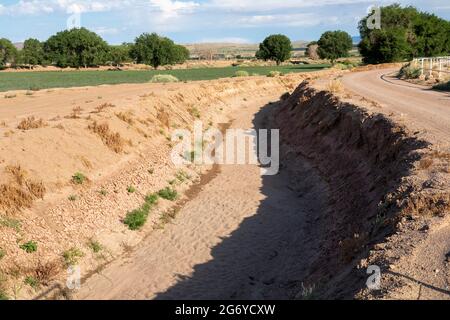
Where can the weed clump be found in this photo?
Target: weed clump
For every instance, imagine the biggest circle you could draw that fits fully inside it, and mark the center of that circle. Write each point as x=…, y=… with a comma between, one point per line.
x=241, y=73
x=31, y=123
x=29, y=247
x=137, y=218
x=168, y=194
x=164, y=78
x=112, y=140
x=72, y=256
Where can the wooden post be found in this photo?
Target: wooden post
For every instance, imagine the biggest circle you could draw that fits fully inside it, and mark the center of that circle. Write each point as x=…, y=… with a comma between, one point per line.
x=422, y=67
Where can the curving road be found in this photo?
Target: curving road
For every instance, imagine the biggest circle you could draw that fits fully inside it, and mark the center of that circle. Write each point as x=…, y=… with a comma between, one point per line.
x=420, y=107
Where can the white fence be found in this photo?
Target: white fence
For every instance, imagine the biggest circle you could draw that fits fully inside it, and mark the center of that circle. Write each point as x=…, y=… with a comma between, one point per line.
x=439, y=65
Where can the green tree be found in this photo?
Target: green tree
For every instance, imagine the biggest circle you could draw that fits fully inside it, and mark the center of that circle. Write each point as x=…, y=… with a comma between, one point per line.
x=275, y=47
x=405, y=33
x=334, y=45
x=8, y=52
x=76, y=48
x=33, y=53
x=156, y=51
x=118, y=55
x=180, y=54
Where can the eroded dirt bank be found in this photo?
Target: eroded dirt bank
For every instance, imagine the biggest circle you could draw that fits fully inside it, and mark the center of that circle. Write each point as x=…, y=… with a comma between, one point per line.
x=383, y=181
x=74, y=162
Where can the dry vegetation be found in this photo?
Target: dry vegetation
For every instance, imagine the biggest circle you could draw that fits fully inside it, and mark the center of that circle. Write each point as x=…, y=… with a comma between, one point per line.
x=112, y=140
x=20, y=191
x=31, y=123
x=335, y=86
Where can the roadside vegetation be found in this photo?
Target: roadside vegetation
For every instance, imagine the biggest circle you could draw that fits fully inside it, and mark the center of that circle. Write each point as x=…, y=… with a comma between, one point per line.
x=405, y=33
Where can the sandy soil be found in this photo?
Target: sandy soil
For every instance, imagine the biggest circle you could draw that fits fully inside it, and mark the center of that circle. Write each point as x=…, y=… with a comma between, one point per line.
x=62, y=144
x=240, y=238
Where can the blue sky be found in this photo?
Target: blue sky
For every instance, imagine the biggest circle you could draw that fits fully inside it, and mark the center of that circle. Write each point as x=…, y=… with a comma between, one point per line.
x=188, y=21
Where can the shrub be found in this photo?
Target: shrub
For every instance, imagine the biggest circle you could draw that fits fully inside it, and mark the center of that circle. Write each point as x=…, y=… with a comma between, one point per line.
x=29, y=247
x=31, y=123
x=72, y=256
x=168, y=194
x=409, y=72
x=273, y=74
x=131, y=189
x=78, y=178
x=241, y=73
x=164, y=78
x=136, y=219
x=151, y=199
x=95, y=246
x=335, y=86
x=2, y=253
x=112, y=140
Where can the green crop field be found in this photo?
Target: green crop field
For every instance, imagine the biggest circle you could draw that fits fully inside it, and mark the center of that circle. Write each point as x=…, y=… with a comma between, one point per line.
x=58, y=79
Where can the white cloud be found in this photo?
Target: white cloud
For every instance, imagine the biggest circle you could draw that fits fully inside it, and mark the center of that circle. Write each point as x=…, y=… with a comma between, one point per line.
x=270, y=5
x=293, y=20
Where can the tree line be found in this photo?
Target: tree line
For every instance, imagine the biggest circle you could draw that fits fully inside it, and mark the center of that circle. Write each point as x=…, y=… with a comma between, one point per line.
x=81, y=48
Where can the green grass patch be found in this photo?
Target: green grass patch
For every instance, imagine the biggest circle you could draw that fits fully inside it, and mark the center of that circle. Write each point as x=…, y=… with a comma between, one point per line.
x=29, y=247
x=55, y=79
x=72, y=256
x=32, y=282
x=137, y=218
x=78, y=178
x=168, y=194
x=95, y=246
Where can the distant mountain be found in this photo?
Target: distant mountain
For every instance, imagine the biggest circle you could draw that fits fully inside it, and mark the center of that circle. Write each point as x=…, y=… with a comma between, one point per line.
x=18, y=45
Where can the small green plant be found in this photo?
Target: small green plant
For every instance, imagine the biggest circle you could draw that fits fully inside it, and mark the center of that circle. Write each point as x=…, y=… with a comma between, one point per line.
x=95, y=246
x=10, y=223
x=151, y=199
x=182, y=176
x=131, y=189
x=32, y=282
x=241, y=73
x=195, y=112
x=168, y=194
x=29, y=247
x=78, y=178
x=103, y=192
x=72, y=256
x=172, y=182
x=409, y=72
x=2, y=253
x=137, y=218
x=164, y=78
x=72, y=197
x=273, y=74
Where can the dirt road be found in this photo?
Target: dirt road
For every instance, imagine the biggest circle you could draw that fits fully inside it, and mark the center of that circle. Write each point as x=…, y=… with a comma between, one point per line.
x=425, y=272
x=240, y=237
x=419, y=107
